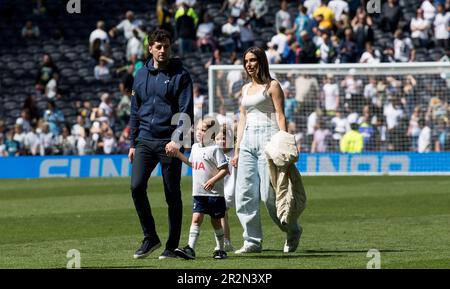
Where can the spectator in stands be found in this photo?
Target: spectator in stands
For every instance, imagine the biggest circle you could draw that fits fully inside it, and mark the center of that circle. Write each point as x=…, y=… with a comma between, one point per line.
x=231, y=32
x=370, y=91
x=101, y=35
x=272, y=54
x=126, y=82
x=313, y=119
x=301, y=23
x=30, y=31
x=30, y=104
x=164, y=15
x=134, y=47
x=205, y=35
x=394, y=114
x=352, y=89
x=107, y=108
x=311, y=6
x=414, y=128
x=340, y=126
x=441, y=27
x=324, y=16
x=282, y=17
x=101, y=70
x=280, y=40
x=123, y=109
x=31, y=142
x=51, y=89
x=39, y=7
x=367, y=127
x=19, y=136
x=290, y=103
x=46, y=139
x=84, y=144
x=25, y=120
x=107, y=144
x=78, y=128
x=308, y=50
x=338, y=7
x=65, y=143
x=186, y=20
x=326, y=50
x=419, y=30
x=321, y=138
x=371, y=55
x=292, y=51
x=348, y=51
x=234, y=7
x=330, y=95
x=403, y=47
x=127, y=25
x=352, y=141
x=54, y=118
x=424, y=140
x=123, y=145
x=199, y=99
x=442, y=142
x=390, y=16
x=216, y=59
x=429, y=11
x=95, y=50
x=257, y=10
x=247, y=38
x=45, y=73
x=12, y=147
x=362, y=30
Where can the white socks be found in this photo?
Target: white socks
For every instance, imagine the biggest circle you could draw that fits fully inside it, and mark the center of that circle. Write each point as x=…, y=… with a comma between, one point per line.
x=194, y=232
x=219, y=239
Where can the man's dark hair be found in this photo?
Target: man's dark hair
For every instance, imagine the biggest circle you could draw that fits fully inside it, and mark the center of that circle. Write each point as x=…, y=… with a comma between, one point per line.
x=159, y=35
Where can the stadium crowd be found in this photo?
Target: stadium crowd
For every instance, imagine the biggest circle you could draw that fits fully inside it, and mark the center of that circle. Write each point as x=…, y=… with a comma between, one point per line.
x=328, y=113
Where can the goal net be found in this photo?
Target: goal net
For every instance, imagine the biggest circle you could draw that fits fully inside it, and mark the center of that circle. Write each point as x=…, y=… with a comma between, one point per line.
x=400, y=109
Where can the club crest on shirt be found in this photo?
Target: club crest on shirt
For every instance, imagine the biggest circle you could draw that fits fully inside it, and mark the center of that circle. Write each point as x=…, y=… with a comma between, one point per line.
x=133, y=93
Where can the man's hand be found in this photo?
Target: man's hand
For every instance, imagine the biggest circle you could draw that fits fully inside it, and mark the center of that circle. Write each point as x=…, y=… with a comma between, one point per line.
x=131, y=154
x=172, y=149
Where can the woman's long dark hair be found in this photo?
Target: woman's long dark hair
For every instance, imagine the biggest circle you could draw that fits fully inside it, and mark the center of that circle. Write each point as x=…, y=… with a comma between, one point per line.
x=263, y=74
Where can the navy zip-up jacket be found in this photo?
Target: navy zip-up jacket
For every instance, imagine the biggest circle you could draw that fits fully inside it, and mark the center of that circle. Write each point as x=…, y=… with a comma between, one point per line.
x=157, y=96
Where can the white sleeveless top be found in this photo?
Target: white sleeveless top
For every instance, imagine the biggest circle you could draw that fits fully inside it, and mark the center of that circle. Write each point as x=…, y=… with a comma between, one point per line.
x=259, y=107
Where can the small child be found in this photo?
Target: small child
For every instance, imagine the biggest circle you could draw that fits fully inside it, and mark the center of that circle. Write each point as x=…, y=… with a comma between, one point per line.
x=230, y=181
x=209, y=167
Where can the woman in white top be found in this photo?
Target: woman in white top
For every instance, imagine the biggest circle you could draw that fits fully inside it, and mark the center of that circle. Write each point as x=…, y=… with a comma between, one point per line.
x=261, y=116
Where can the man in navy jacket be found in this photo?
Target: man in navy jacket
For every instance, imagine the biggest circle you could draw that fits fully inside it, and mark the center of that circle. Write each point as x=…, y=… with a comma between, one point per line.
x=161, y=114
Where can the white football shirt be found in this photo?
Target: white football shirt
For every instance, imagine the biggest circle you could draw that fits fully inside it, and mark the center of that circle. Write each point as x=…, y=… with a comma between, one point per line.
x=206, y=162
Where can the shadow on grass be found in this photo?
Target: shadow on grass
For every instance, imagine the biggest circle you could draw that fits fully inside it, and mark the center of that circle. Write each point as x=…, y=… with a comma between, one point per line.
x=355, y=251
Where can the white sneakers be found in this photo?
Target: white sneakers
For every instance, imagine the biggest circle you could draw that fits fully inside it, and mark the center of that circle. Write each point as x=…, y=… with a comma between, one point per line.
x=249, y=249
x=292, y=242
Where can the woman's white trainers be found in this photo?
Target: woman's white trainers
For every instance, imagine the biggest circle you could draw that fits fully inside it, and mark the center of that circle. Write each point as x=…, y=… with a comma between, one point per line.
x=249, y=249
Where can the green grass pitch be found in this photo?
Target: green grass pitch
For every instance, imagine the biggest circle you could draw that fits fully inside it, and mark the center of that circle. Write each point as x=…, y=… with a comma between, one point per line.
x=407, y=219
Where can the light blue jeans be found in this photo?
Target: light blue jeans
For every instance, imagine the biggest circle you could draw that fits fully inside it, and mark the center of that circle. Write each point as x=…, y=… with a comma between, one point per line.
x=253, y=185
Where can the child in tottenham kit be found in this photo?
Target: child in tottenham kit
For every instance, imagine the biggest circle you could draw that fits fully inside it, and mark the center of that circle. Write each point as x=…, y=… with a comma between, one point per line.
x=209, y=167
x=225, y=140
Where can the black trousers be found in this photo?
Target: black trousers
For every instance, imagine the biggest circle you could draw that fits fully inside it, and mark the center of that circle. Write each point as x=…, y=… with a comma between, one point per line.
x=147, y=155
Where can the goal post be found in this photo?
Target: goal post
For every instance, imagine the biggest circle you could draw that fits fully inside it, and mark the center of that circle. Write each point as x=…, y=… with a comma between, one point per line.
x=401, y=110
